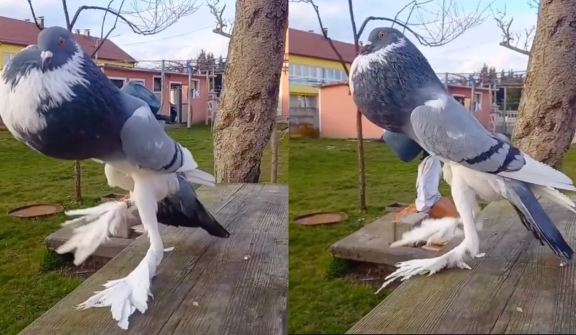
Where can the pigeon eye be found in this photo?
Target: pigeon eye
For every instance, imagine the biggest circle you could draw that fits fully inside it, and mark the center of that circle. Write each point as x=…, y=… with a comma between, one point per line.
x=382, y=34
x=61, y=41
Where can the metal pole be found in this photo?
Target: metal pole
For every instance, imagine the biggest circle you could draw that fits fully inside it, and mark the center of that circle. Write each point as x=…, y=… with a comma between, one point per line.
x=504, y=107
x=189, y=98
x=162, y=75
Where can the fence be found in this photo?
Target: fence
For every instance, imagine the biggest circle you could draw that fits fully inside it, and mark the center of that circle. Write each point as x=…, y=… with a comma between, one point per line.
x=505, y=122
x=304, y=122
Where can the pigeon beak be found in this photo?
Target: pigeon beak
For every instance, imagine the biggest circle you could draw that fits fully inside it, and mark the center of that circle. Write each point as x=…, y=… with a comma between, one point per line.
x=46, y=58
x=366, y=47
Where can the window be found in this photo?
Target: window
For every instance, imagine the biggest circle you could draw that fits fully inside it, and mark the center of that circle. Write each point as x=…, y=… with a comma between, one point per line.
x=139, y=81
x=8, y=57
x=118, y=82
x=460, y=99
x=314, y=75
x=303, y=101
x=157, y=87
x=195, y=88
x=477, y=101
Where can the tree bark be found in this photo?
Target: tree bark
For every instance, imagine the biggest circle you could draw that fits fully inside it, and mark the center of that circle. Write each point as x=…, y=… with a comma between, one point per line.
x=546, y=115
x=252, y=78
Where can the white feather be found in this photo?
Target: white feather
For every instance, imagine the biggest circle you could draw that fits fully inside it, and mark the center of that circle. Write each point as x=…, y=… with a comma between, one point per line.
x=537, y=173
x=554, y=196
x=100, y=222
x=22, y=106
x=430, y=229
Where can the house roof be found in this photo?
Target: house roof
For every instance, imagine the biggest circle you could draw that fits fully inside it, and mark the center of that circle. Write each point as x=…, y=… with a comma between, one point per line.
x=151, y=71
x=19, y=32
x=307, y=44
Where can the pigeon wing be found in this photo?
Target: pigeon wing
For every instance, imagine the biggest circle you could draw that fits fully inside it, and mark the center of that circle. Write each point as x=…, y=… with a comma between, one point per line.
x=144, y=141
x=453, y=133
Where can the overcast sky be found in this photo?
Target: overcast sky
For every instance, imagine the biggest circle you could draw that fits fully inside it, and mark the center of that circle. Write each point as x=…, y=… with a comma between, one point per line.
x=465, y=54
x=185, y=39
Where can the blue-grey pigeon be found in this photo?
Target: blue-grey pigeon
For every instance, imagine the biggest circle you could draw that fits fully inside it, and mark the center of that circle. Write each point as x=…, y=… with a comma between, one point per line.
x=56, y=100
x=395, y=87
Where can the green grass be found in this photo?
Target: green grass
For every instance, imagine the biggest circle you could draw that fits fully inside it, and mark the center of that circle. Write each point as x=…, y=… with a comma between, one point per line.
x=323, y=176
x=30, y=282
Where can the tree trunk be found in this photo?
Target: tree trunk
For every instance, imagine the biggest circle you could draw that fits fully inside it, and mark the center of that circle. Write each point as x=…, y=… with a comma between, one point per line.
x=252, y=77
x=546, y=115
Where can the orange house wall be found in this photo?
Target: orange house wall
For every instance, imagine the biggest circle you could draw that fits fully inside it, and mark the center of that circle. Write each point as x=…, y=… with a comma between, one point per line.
x=199, y=105
x=337, y=113
x=284, y=82
x=482, y=115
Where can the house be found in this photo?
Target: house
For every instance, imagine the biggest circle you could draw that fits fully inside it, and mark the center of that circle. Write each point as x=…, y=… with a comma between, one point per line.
x=172, y=89
x=312, y=62
x=337, y=110
x=177, y=88
x=16, y=34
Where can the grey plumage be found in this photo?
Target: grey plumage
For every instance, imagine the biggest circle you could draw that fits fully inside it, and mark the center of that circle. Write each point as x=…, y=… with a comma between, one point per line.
x=395, y=87
x=396, y=103
x=86, y=118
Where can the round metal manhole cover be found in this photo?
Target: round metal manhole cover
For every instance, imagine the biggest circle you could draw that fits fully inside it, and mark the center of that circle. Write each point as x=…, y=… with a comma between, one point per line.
x=35, y=211
x=320, y=218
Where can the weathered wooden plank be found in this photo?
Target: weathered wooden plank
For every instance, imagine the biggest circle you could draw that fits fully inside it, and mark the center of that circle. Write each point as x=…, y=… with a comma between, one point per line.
x=205, y=285
x=518, y=287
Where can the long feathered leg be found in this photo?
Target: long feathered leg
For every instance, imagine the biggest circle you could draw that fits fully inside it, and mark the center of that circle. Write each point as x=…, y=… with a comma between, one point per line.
x=126, y=295
x=465, y=202
x=98, y=223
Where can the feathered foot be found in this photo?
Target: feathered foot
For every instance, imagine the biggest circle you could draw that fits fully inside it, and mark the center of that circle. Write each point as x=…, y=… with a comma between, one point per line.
x=453, y=258
x=125, y=296
x=99, y=223
x=430, y=230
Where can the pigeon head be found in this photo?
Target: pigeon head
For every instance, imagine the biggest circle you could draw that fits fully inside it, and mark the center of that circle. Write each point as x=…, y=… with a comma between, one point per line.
x=384, y=38
x=58, y=47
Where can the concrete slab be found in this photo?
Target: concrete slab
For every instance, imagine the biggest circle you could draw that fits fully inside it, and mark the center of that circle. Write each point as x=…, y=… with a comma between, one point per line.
x=108, y=249
x=371, y=243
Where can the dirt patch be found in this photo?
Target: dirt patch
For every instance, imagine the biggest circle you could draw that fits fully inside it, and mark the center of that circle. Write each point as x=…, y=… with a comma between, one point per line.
x=84, y=270
x=371, y=274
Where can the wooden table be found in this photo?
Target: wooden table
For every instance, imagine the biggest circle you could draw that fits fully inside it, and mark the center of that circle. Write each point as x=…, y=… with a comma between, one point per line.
x=206, y=285
x=517, y=288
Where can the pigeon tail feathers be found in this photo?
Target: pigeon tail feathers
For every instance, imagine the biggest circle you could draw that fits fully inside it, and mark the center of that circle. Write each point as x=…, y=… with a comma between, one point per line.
x=535, y=219
x=185, y=209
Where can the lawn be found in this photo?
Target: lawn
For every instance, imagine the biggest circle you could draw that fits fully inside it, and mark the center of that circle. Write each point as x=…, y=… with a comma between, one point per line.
x=323, y=176
x=30, y=283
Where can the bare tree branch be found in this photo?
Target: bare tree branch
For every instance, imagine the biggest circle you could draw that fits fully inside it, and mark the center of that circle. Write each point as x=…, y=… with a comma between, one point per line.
x=66, y=14
x=34, y=15
x=155, y=16
x=224, y=27
x=511, y=40
x=103, y=37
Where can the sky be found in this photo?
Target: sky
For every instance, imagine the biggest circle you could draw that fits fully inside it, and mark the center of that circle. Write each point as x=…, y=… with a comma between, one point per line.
x=190, y=34
x=465, y=54
x=181, y=41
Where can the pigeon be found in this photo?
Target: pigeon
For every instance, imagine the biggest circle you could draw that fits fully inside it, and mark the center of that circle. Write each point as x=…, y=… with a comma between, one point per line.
x=394, y=86
x=57, y=101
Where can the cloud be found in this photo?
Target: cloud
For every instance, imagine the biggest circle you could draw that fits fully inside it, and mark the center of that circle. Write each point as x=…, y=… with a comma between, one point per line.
x=465, y=54
x=182, y=40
